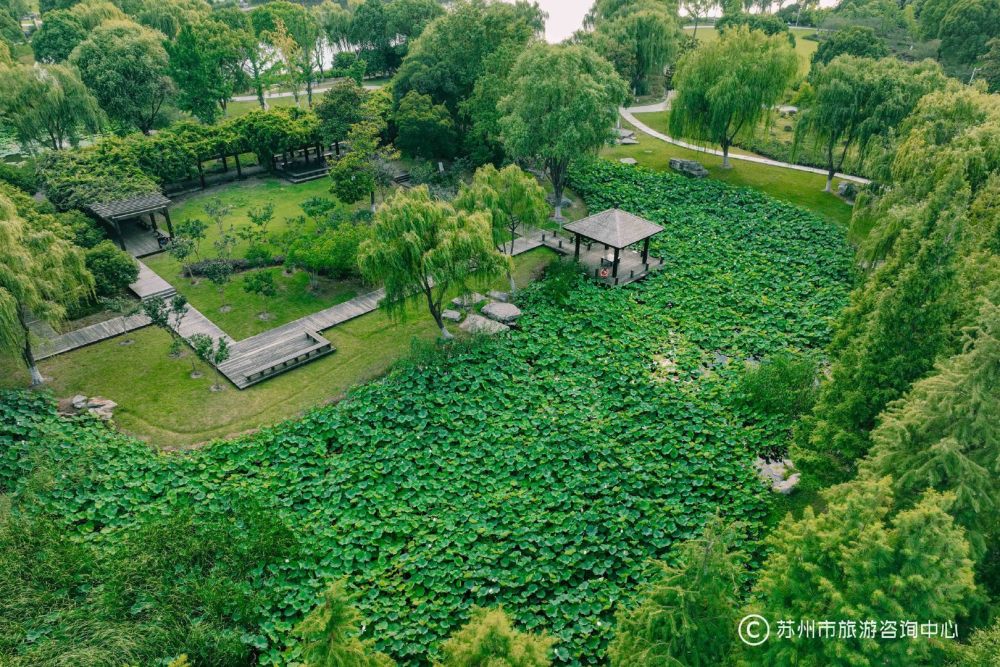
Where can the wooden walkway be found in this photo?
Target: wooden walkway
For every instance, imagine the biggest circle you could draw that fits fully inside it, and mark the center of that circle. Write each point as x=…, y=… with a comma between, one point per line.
x=95, y=333
x=596, y=258
x=150, y=284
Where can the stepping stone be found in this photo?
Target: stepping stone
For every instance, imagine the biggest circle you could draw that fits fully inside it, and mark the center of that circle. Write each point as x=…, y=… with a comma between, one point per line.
x=499, y=296
x=479, y=324
x=468, y=300
x=628, y=160
x=506, y=313
x=452, y=315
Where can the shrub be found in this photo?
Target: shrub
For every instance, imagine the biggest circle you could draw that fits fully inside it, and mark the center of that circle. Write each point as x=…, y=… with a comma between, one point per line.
x=237, y=265
x=333, y=253
x=261, y=282
x=489, y=638
x=113, y=269
x=783, y=385
x=20, y=177
x=86, y=231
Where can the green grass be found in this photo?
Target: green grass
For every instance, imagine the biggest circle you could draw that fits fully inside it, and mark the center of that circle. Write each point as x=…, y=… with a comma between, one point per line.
x=160, y=403
x=237, y=109
x=795, y=187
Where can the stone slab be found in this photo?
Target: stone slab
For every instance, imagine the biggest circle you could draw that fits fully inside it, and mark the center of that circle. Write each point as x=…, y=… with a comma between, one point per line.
x=478, y=324
x=506, y=313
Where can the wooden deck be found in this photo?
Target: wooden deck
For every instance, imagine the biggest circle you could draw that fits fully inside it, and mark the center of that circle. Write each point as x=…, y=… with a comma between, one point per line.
x=150, y=284
x=139, y=241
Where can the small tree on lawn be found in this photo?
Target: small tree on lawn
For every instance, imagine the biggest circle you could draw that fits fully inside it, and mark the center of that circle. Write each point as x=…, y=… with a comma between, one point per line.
x=193, y=230
x=220, y=272
x=562, y=104
x=490, y=638
x=168, y=316
x=256, y=231
x=260, y=283
x=218, y=211
x=421, y=247
x=513, y=199
x=124, y=307
x=359, y=172
x=729, y=85
x=212, y=352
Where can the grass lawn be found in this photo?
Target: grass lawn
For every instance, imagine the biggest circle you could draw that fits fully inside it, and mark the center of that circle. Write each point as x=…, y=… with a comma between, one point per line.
x=237, y=109
x=160, y=403
x=796, y=187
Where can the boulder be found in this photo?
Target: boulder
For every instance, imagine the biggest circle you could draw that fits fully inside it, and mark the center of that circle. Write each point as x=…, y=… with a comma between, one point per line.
x=478, y=324
x=468, y=300
x=507, y=313
x=452, y=315
x=79, y=401
x=847, y=190
x=498, y=296
x=691, y=168
x=102, y=408
x=566, y=201
x=776, y=474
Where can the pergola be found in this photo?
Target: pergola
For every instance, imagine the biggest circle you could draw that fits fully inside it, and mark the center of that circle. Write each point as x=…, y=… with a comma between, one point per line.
x=113, y=213
x=615, y=229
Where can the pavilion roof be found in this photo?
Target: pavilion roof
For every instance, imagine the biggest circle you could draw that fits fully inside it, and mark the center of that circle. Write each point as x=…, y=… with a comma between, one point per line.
x=131, y=207
x=614, y=227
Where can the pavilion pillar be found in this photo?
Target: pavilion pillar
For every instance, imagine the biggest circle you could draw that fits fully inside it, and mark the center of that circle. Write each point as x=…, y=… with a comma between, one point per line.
x=225, y=164
x=170, y=227
x=614, y=267
x=576, y=253
x=645, y=250
x=118, y=232
x=152, y=220
x=239, y=168
x=305, y=154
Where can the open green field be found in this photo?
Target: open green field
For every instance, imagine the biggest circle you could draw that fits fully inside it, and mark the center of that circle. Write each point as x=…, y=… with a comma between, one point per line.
x=160, y=403
x=795, y=187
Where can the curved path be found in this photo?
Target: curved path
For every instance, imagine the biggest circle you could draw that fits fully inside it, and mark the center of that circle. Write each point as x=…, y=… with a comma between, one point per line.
x=629, y=115
x=273, y=95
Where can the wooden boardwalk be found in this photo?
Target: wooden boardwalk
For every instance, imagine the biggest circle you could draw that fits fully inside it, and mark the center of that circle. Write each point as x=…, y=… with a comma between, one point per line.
x=597, y=259
x=95, y=333
x=149, y=284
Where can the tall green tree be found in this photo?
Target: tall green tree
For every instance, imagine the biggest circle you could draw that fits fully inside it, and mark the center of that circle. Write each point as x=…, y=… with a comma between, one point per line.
x=859, y=560
x=423, y=249
x=302, y=28
x=989, y=65
x=330, y=632
x=966, y=28
x=854, y=40
x=490, y=638
x=47, y=105
x=857, y=104
x=424, y=129
x=513, y=199
x=55, y=40
x=206, y=63
x=257, y=56
x=338, y=109
x=126, y=68
x=562, y=104
x=687, y=614
x=41, y=274
x=726, y=86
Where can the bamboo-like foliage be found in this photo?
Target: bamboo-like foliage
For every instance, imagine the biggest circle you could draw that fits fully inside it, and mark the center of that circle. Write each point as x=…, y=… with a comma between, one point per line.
x=40, y=273
x=727, y=86
x=47, y=105
x=425, y=248
x=330, y=634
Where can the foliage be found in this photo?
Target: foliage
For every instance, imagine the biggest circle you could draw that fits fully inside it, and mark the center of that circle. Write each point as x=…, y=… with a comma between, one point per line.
x=125, y=66
x=859, y=559
x=525, y=483
x=206, y=63
x=727, y=85
x=782, y=384
x=858, y=103
x=22, y=178
x=859, y=41
x=990, y=65
x=967, y=27
x=687, y=613
x=47, y=105
x=212, y=352
x=982, y=649
x=424, y=249
x=260, y=282
x=332, y=251
x=338, y=109
x=330, y=634
x=424, y=129
x=113, y=269
x=55, y=40
x=41, y=274
x=562, y=105
x=489, y=638
x=769, y=25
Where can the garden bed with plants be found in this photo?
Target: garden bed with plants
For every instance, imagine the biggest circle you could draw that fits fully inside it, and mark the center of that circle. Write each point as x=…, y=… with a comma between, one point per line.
x=540, y=470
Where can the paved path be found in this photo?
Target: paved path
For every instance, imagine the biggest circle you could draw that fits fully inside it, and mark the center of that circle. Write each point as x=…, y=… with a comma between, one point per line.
x=628, y=114
x=302, y=93
x=50, y=347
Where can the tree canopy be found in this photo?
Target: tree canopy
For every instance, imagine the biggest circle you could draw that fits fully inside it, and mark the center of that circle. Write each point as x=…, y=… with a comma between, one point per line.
x=726, y=86
x=854, y=40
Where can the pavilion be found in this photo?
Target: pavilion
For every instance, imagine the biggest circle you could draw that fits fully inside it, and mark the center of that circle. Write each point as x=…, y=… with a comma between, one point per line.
x=613, y=231
x=136, y=234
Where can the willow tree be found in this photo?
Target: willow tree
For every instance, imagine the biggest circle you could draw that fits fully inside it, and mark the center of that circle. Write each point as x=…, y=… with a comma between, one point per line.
x=562, y=104
x=40, y=274
x=640, y=38
x=858, y=102
x=422, y=248
x=727, y=86
x=47, y=105
x=511, y=197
